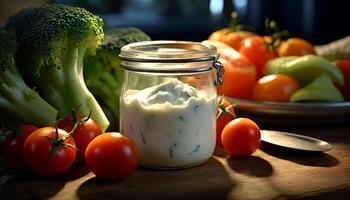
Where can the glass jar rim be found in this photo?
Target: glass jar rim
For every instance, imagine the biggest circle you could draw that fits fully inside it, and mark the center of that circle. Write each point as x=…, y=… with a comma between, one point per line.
x=174, y=53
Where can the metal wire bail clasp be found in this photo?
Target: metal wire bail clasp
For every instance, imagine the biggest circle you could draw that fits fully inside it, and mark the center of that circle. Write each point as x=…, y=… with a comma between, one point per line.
x=219, y=67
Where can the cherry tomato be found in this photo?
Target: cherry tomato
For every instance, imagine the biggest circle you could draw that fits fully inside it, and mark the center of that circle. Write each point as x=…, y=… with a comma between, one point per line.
x=257, y=51
x=231, y=36
x=296, y=47
x=344, y=66
x=223, y=120
x=45, y=159
x=13, y=146
x=220, y=46
x=241, y=137
x=83, y=135
x=217, y=35
x=112, y=156
x=27, y=129
x=234, y=39
x=275, y=87
x=239, y=77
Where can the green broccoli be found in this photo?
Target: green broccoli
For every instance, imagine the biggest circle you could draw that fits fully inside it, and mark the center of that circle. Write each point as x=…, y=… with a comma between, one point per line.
x=53, y=40
x=103, y=74
x=17, y=100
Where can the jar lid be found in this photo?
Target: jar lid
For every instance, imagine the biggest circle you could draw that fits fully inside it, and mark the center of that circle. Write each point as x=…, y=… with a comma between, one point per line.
x=174, y=53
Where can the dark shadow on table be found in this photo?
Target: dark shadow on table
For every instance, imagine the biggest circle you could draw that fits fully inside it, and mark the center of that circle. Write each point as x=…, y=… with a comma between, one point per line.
x=220, y=151
x=25, y=185
x=316, y=159
x=251, y=166
x=207, y=181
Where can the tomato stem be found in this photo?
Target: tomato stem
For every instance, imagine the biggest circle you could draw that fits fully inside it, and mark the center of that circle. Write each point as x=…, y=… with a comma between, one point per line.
x=6, y=132
x=76, y=122
x=274, y=31
x=234, y=26
x=224, y=110
x=57, y=142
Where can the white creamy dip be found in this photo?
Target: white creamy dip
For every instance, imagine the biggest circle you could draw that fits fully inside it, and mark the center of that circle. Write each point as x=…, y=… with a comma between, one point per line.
x=173, y=124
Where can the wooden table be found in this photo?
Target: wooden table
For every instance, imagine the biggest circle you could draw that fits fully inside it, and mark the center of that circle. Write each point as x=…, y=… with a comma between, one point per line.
x=271, y=173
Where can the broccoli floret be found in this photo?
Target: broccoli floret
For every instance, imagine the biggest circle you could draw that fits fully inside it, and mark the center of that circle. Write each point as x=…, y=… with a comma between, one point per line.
x=103, y=74
x=17, y=100
x=53, y=40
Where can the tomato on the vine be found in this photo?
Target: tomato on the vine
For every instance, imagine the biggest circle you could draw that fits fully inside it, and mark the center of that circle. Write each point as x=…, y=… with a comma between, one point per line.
x=241, y=137
x=257, y=50
x=227, y=114
x=83, y=135
x=13, y=145
x=232, y=35
x=45, y=155
x=112, y=156
x=275, y=87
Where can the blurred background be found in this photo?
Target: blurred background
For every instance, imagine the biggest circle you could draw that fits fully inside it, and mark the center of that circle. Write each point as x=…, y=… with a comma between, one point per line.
x=319, y=21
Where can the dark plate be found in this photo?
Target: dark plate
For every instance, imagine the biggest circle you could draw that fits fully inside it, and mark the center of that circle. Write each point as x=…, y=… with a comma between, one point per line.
x=277, y=112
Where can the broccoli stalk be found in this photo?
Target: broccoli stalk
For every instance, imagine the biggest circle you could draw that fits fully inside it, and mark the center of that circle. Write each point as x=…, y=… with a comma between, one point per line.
x=17, y=100
x=103, y=74
x=53, y=40
x=71, y=90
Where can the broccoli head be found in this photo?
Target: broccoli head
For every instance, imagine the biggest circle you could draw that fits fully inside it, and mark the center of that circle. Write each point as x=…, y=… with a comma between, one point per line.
x=53, y=40
x=115, y=39
x=17, y=100
x=102, y=72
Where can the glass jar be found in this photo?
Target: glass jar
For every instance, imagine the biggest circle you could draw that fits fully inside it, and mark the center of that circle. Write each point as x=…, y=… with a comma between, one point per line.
x=168, y=101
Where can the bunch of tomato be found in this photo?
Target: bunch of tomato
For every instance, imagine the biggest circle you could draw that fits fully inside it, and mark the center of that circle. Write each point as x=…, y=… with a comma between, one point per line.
x=51, y=151
x=244, y=57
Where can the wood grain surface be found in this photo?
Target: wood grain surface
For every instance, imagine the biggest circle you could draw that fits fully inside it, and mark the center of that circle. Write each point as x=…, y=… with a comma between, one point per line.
x=271, y=173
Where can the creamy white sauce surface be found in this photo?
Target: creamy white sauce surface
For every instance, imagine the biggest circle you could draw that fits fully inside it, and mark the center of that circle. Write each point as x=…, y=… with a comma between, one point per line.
x=173, y=124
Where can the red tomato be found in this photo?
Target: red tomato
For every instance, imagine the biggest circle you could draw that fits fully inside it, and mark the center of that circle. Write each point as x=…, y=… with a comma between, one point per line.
x=275, y=87
x=223, y=120
x=239, y=77
x=220, y=46
x=240, y=74
x=344, y=66
x=241, y=137
x=112, y=156
x=27, y=129
x=13, y=146
x=83, y=135
x=217, y=35
x=45, y=159
x=230, y=37
x=296, y=47
x=256, y=50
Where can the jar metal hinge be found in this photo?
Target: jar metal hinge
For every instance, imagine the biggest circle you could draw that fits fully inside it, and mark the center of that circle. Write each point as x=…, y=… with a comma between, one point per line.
x=219, y=67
